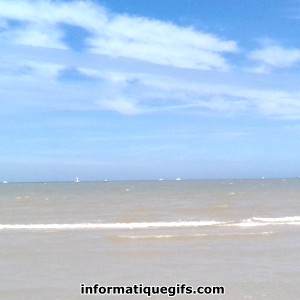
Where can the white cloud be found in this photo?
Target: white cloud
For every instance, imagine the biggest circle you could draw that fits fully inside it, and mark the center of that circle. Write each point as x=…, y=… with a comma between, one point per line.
x=36, y=36
x=40, y=21
x=133, y=85
x=123, y=106
x=162, y=43
x=52, y=12
x=275, y=56
x=116, y=35
x=44, y=70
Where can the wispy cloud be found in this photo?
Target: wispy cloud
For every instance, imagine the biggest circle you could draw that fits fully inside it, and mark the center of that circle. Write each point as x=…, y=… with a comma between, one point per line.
x=274, y=56
x=131, y=65
x=162, y=43
x=138, y=88
x=39, y=23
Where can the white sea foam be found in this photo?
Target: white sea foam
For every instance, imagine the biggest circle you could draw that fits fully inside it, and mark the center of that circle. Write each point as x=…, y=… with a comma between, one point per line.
x=198, y=235
x=76, y=226
x=280, y=220
x=256, y=222
x=253, y=222
x=247, y=224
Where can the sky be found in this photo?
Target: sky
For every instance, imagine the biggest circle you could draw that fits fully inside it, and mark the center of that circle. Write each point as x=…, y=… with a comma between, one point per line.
x=141, y=90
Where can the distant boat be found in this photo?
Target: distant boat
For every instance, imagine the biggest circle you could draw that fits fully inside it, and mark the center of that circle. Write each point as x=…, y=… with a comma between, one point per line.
x=4, y=181
x=77, y=180
x=178, y=179
x=105, y=180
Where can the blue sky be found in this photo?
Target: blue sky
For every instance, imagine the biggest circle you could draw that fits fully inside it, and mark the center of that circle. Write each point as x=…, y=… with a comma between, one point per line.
x=142, y=89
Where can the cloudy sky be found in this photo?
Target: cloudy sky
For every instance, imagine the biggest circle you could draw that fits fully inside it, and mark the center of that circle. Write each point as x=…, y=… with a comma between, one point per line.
x=142, y=89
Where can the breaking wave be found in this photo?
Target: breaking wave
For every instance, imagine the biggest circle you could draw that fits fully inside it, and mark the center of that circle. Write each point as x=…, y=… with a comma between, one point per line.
x=197, y=235
x=252, y=222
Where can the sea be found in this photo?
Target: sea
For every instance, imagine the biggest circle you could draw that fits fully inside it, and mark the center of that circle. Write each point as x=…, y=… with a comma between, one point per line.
x=242, y=235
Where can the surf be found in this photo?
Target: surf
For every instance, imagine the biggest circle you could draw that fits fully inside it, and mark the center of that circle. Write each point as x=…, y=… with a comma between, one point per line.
x=252, y=222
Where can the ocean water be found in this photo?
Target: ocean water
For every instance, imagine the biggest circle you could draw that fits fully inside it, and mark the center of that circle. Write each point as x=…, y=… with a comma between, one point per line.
x=240, y=234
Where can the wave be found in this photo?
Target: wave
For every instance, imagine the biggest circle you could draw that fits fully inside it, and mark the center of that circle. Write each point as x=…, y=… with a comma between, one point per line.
x=276, y=220
x=253, y=222
x=141, y=225
x=198, y=235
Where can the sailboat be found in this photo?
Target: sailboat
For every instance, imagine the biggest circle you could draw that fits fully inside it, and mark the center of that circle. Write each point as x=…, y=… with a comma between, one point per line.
x=77, y=180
